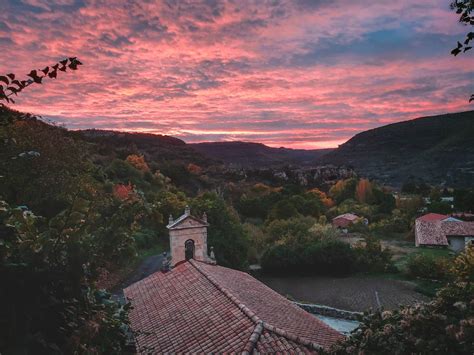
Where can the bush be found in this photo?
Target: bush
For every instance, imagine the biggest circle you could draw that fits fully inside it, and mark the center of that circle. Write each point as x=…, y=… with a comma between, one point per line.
x=330, y=258
x=427, y=267
x=226, y=234
x=318, y=258
x=372, y=257
x=443, y=326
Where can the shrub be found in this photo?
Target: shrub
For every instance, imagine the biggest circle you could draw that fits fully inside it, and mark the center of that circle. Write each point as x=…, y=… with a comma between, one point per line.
x=331, y=257
x=443, y=326
x=372, y=257
x=428, y=267
x=317, y=258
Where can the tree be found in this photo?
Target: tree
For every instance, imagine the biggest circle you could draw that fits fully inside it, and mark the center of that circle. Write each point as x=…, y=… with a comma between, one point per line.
x=10, y=85
x=363, y=190
x=225, y=233
x=343, y=190
x=283, y=209
x=442, y=326
x=464, y=9
x=138, y=162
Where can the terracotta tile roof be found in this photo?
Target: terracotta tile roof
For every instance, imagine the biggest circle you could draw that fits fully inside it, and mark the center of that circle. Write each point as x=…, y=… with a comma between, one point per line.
x=198, y=307
x=348, y=216
x=436, y=232
x=432, y=217
x=429, y=233
x=451, y=228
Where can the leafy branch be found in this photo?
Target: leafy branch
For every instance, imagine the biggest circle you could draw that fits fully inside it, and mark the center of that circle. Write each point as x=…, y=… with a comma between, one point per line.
x=465, y=9
x=10, y=85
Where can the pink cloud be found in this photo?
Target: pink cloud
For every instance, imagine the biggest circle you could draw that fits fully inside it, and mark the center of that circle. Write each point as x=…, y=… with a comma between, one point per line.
x=287, y=74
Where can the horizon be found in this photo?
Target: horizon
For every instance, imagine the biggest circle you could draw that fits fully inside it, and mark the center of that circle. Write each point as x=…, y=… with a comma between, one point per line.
x=294, y=74
x=268, y=145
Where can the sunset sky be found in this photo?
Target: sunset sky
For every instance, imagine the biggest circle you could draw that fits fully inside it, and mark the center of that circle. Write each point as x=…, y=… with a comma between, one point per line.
x=301, y=74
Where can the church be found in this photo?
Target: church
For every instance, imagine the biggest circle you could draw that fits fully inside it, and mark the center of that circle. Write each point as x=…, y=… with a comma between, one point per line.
x=196, y=306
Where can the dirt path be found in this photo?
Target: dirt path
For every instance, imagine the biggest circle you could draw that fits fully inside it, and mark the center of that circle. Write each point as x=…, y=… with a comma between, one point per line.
x=349, y=293
x=147, y=267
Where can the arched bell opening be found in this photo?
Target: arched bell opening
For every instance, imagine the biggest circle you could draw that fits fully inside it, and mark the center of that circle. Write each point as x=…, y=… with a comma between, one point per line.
x=189, y=249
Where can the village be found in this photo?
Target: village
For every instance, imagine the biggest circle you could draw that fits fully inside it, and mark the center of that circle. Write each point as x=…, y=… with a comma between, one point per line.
x=274, y=321
x=236, y=177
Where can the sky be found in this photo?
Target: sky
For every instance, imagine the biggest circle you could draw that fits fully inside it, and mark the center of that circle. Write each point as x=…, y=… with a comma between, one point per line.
x=295, y=73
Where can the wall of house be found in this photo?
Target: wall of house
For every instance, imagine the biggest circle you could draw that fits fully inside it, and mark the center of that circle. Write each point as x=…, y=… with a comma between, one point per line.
x=456, y=244
x=178, y=238
x=468, y=241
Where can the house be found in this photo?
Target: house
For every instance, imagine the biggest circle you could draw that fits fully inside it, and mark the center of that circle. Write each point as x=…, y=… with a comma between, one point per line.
x=344, y=220
x=439, y=230
x=201, y=307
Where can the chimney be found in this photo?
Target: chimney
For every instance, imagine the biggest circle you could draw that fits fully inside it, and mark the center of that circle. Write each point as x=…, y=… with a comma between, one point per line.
x=187, y=210
x=170, y=220
x=204, y=217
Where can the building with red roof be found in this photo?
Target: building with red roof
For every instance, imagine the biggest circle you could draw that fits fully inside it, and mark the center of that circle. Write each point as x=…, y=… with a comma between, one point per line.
x=443, y=231
x=344, y=220
x=200, y=307
x=432, y=217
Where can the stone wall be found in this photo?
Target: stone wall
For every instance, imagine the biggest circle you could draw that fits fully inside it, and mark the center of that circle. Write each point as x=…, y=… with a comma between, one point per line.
x=178, y=238
x=329, y=311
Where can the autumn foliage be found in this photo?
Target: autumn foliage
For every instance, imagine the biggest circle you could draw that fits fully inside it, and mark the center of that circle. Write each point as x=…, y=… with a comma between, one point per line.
x=138, y=162
x=363, y=191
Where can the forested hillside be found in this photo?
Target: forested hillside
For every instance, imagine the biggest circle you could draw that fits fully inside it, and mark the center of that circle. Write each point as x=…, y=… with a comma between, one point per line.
x=74, y=203
x=438, y=149
x=257, y=155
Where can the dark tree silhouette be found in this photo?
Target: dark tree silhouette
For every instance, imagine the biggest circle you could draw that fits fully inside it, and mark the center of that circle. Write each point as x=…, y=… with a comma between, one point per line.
x=10, y=85
x=465, y=9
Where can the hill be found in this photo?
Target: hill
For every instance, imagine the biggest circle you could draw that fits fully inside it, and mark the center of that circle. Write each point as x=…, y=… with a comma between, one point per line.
x=253, y=155
x=436, y=149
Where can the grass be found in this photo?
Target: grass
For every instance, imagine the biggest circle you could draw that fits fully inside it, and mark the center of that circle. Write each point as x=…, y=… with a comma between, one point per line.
x=434, y=252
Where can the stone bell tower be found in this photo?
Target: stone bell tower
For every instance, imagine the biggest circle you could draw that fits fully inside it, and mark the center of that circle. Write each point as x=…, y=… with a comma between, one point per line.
x=188, y=237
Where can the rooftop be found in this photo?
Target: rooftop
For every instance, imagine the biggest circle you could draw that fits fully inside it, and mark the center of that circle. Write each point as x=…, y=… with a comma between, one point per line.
x=431, y=217
x=198, y=307
x=435, y=232
x=348, y=216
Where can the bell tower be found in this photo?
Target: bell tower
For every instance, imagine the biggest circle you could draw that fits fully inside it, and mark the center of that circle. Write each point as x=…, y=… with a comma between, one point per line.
x=188, y=237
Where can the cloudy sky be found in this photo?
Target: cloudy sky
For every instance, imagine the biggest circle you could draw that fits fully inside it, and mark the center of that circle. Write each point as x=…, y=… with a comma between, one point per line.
x=302, y=74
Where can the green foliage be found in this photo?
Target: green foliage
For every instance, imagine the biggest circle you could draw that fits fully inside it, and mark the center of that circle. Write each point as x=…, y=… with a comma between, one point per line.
x=440, y=207
x=329, y=257
x=428, y=266
x=123, y=171
x=283, y=209
x=372, y=257
x=395, y=223
x=464, y=200
x=225, y=232
x=343, y=190
x=300, y=245
x=52, y=305
x=279, y=203
x=443, y=326
x=293, y=229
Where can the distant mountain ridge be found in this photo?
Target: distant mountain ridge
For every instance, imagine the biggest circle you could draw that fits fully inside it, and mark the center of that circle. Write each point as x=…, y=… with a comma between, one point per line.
x=254, y=155
x=438, y=149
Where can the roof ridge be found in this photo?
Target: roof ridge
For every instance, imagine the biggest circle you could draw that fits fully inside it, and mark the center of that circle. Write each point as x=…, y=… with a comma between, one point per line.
x=254, y=337
x=253, y=316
